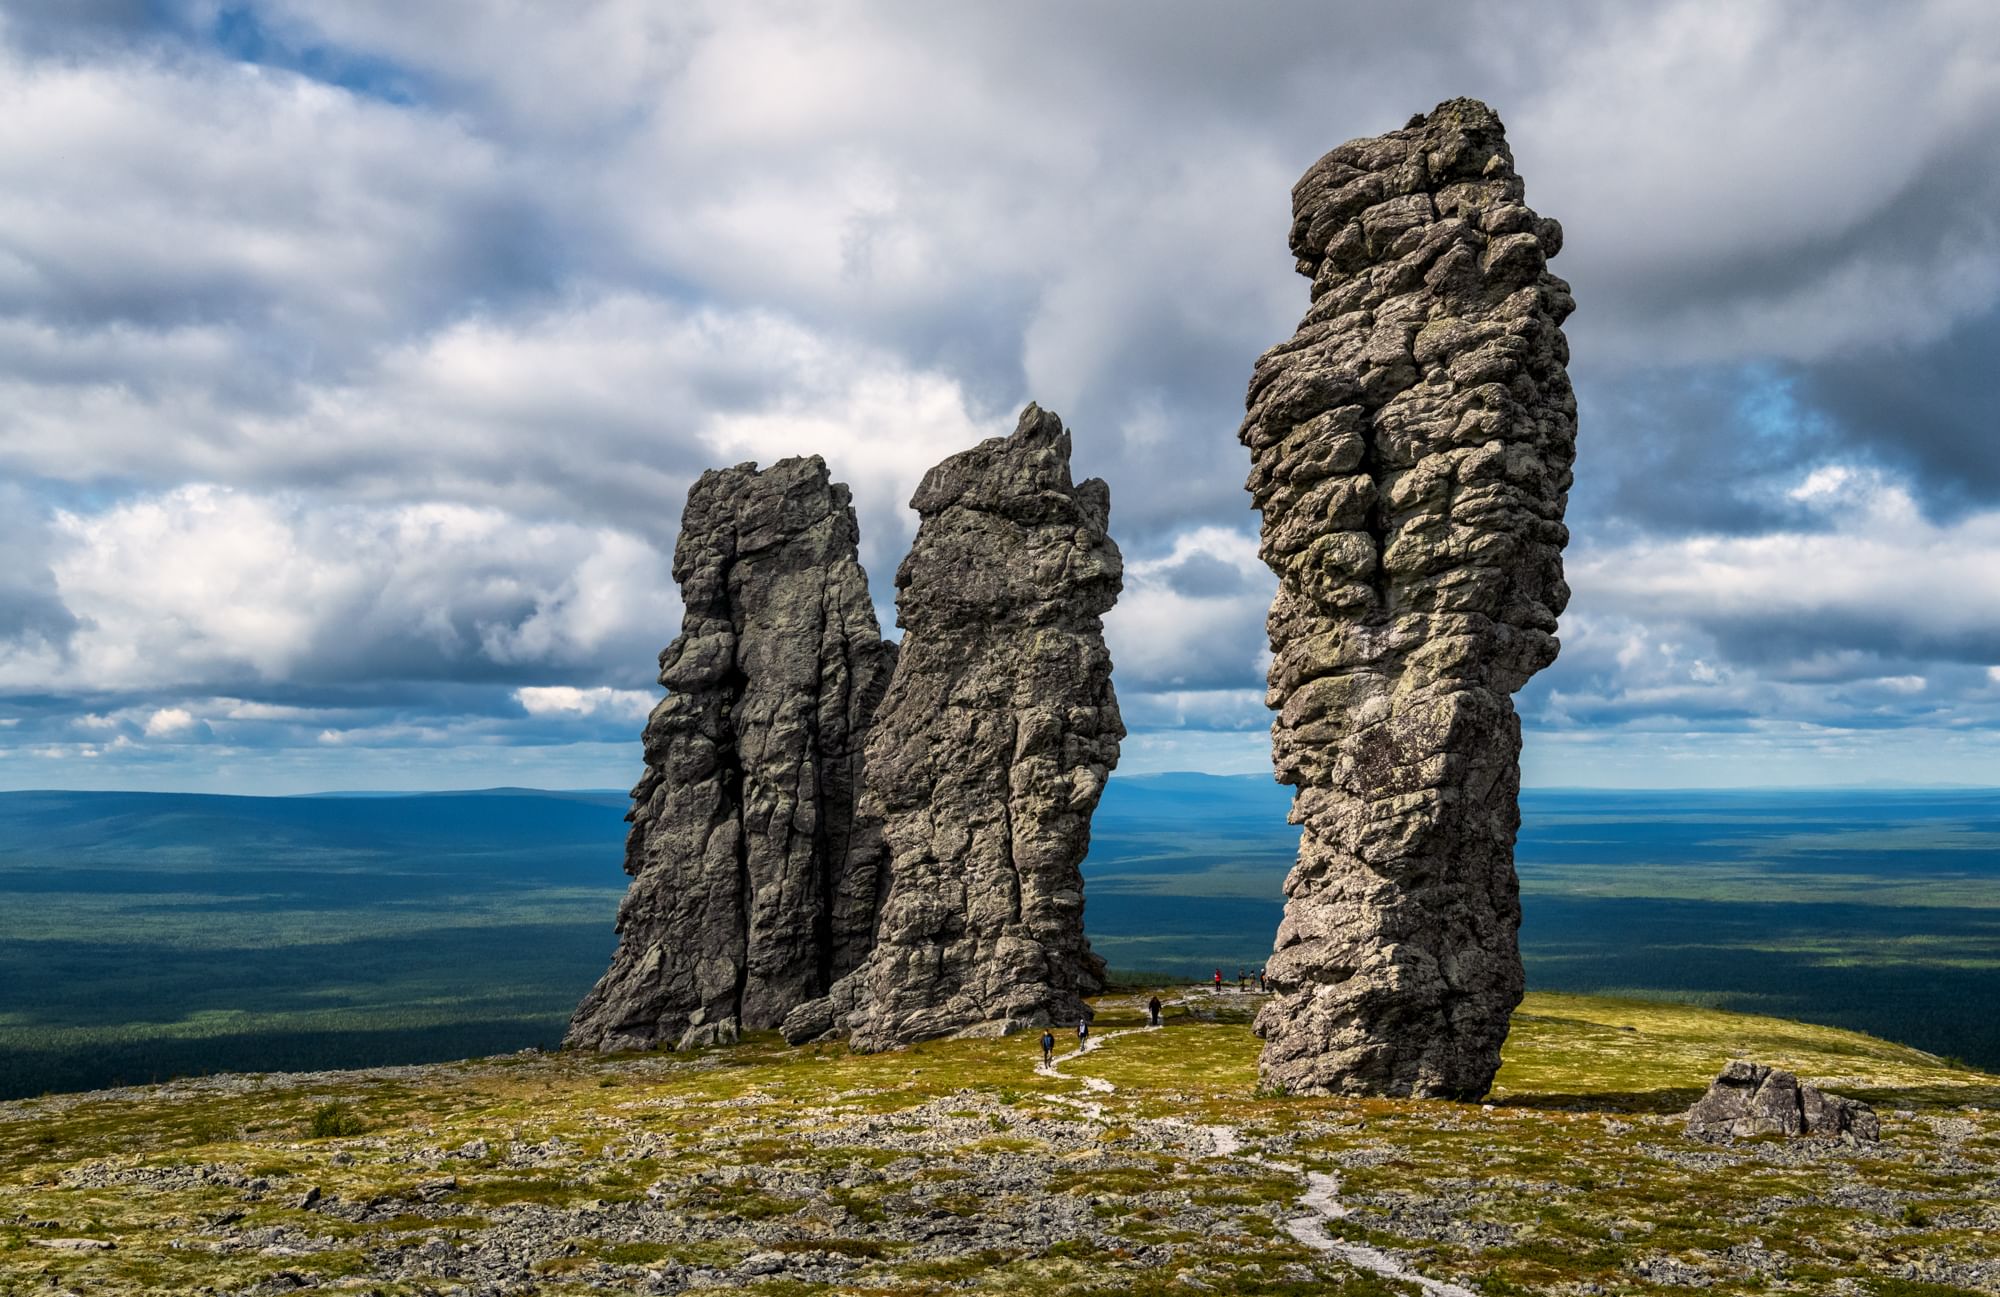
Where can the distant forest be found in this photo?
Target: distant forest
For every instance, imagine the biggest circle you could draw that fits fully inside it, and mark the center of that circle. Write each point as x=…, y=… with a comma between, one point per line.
x=146, y=936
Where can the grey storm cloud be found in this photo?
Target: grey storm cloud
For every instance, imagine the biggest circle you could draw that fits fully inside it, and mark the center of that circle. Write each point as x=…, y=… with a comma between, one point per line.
x=280, y=280
x=1842, y=643
x=1204, y=574
x=31, y=607
x=51, y=26
x=1928, y=410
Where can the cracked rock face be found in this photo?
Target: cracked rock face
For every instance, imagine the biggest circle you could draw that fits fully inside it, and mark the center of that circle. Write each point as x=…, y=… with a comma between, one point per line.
x=990, y=751
x=1750, y=1099
x=755, y=880
x=1411, y=448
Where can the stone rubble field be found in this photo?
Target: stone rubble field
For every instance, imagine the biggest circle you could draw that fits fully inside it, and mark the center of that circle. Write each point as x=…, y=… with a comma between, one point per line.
x=1149, y=1164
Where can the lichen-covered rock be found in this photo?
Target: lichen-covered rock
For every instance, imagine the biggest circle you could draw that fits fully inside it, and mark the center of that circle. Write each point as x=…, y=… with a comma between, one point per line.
x=1411, y=450
x=990, y=751
x=1749, y=1099
x=755, y=881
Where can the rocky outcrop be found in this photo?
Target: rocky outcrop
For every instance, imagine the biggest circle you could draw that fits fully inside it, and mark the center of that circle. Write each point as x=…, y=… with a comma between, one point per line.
x=990, y=751
x=755, y=881
x=1749, y=1099
x=1412, y=446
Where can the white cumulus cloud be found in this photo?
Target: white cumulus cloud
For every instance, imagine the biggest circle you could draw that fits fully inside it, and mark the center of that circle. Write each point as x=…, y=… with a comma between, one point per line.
x=168, y=721
x=207, y=584
x=568, y=700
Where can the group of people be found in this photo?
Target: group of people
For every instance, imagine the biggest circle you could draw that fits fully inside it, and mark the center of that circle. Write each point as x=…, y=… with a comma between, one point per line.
x=1153, y=1013
x=1083, y=1032
x=1242, y=979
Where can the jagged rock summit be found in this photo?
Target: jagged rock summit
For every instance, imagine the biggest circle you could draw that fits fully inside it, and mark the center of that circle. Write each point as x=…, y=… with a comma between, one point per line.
x=989, y=752
x=1411, y=446
x=1749, y=1099
x=755, y=882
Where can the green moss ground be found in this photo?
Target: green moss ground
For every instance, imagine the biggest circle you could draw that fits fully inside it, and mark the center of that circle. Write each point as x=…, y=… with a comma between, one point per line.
x=625, y=1171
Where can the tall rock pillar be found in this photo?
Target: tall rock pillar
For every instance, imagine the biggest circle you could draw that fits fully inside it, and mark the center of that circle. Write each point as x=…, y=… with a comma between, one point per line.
x=1411, y=448
x=990, y=751
x=754, y=880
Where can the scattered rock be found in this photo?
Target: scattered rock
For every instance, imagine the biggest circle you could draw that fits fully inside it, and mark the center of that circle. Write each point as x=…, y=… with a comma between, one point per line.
x=813, y=1020
x=991, y=748
x=75, y=1244
x=1672, y=1272
x=1411, y=448
x=974, y=1174
x=310, y=1199
x=1749, y=1099
x=754, y=881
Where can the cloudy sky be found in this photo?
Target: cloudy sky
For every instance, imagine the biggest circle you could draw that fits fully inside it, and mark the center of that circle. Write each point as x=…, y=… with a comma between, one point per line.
x=355, y=359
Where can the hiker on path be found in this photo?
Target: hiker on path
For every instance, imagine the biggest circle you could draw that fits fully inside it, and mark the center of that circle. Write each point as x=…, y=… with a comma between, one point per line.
x=1242, y=978
x=1218, y=981
x=1048, y=1048
x=1153, y=1007
x=1260, y=981
x=1082, y=1034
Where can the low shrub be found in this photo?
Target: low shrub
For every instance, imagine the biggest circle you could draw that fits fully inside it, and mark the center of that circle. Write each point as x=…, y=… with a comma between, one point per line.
x=334, y=1119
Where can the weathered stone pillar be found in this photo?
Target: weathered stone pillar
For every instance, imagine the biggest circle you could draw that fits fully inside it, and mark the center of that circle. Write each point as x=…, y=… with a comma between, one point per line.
x=990, y=751
x=755, y=882
x=1412, y=445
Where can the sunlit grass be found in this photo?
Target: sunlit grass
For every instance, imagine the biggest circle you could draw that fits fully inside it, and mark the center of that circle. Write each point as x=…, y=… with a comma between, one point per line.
x=721, y=1139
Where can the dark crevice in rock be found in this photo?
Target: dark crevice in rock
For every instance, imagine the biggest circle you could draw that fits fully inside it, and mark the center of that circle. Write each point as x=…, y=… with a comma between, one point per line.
x=731, y=773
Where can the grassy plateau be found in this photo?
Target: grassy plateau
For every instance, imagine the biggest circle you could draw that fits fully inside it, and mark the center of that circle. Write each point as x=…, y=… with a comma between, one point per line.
x=1150, y=1165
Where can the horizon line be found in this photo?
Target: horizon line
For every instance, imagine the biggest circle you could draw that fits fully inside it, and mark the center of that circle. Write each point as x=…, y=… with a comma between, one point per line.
x=489, y=790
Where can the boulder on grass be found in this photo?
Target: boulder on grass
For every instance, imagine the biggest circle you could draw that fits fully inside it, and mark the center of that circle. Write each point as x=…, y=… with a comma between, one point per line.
x=1749, y=1099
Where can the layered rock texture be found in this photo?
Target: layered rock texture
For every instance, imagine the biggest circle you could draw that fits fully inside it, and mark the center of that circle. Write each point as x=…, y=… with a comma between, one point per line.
x=1750, y=1099
x=990, y=751
x=1412, y=445
x=755, y=880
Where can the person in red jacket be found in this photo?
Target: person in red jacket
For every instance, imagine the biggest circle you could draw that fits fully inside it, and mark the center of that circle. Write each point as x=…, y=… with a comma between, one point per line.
x=1218, y=981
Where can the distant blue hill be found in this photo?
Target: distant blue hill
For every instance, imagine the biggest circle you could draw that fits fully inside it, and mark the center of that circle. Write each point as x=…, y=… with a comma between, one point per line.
x=149, y=934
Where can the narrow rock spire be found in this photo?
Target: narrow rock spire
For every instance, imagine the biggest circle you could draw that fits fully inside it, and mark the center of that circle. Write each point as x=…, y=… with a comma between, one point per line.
x=990, y=751
x=755, y=882
x=1412, y=445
